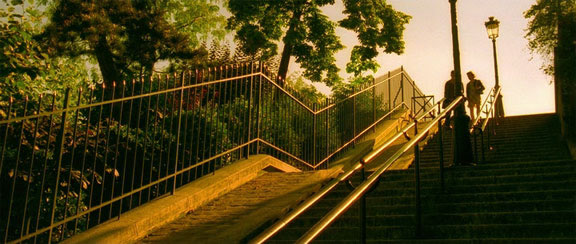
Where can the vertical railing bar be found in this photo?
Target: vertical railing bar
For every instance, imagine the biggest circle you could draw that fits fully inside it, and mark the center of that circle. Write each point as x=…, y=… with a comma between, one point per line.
x=314, y=135
x=45, y=165
x=327, y=102
x=237, y=133
x=441, y=151
x=232, y=97
x=69, y=182
x=389, y=92
x=128, y=126
x=170, y=104
x=153, y=143
x=220, y=128
x=259, y=108
x=106, y=149
x=186, y=120
x=193, y=116
x=178, y=129
x=10, y=104
x=84, y=152
x=60, y=149
x=116, y=153
x=417, y=178
x=213, y=115
x=245, y=94
x=205, y=132
x=354, y=115
x=237, y=110
x=162, y=138
x=250, y=104
x=135, y=155
x=147, y=138
x=94, y=161
x=29, y=179
x=402, y=82
x=201, y=122
x=15, y=173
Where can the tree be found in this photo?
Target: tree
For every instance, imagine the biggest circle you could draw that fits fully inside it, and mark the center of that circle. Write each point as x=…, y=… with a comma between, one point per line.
x=130, y=36
x=552, y=33
x=309, y=35
x=378, y=26
x=27, y=67
x=542, y=31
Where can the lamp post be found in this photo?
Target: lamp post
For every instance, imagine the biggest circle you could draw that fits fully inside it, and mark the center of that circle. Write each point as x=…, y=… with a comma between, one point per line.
x=462, y=147
x=492, y=27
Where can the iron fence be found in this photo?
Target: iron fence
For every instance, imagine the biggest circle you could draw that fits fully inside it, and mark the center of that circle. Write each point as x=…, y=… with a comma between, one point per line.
x=71, y=161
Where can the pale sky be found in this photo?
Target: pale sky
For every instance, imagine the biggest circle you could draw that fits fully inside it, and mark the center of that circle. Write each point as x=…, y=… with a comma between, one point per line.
x=428, y=54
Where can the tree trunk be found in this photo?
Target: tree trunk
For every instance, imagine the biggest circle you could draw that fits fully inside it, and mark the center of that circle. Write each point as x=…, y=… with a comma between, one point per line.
x=288, y=47
x=108, y=67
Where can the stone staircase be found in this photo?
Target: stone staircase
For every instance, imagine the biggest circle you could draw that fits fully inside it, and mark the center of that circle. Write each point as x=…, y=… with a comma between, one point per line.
x=525, y=192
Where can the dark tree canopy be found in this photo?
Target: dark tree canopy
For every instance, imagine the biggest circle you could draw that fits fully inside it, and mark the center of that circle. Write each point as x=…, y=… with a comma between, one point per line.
x=309, y=35
x=542, y=31
x=306, y=32
x=130, y=36
x=378, y=26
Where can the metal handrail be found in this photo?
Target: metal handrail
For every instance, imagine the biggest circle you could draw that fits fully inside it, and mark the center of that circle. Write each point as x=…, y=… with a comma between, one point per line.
x=484, y=104
x=371, y=180
x=363, y=132
x=492, y=108
x=278, y=225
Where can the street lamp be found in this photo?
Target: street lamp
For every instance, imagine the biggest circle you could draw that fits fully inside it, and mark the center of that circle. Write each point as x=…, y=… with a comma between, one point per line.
x=493, y=28
x=462, y=147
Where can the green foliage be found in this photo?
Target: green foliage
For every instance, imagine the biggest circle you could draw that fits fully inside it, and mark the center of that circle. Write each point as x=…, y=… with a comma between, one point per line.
x=542, y=28
x=304, y=91
x=306, y=32
x=130, y=36
x=310, y=37
x=27, y=68
x=378, y=25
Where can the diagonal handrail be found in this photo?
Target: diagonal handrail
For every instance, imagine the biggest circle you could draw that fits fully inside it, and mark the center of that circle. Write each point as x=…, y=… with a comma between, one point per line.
x=278, y=225
x=485, y=104
x=478, y=129
x=371, y=180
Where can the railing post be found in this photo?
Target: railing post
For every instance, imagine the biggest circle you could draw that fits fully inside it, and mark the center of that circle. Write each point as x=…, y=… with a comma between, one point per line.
x=441, y=153
x=373, y=103
x=178, y=130
x=258, y=108
x=402, y=82
x=15, y=172
x=59, y=149
x=389, y=92
x=417, y=178
x=315, y=124
x=250, y=98
x=354, y=115
x=482, y=148
x=363, y=206
x=327, y=129
x=475, y=144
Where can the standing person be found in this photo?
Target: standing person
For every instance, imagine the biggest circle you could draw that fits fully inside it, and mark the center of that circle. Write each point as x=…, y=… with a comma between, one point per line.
x=474, y=89
x=449, y=96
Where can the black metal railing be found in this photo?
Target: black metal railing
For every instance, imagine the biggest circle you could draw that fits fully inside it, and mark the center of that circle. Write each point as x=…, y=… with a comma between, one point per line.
x=361, y=190
x=484, y=124
x=71, y=161
x=479, y=125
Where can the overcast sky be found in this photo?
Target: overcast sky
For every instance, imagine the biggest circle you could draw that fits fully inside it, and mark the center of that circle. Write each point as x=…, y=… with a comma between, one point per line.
x=428, y=54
